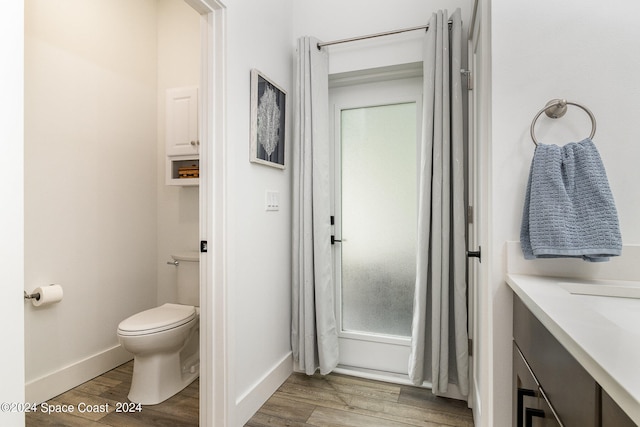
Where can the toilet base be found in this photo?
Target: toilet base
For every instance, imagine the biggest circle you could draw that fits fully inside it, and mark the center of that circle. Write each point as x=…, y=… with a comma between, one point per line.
x=157, y=377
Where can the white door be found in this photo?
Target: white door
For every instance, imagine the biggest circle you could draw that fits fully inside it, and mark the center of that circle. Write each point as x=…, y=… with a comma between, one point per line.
x=375, y=128
x=182, y=121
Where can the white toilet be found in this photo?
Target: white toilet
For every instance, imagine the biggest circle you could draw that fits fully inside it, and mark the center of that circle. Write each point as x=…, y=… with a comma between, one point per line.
x=165, y=340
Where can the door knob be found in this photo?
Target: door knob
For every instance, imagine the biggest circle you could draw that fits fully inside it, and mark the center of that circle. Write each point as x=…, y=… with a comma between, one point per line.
x=475, y=254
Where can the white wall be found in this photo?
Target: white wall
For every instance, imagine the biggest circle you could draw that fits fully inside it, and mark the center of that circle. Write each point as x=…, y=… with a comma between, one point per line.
x=259, y=35
x=90, y=179
x=178, y=66
x=584, y=51
x=11, y=216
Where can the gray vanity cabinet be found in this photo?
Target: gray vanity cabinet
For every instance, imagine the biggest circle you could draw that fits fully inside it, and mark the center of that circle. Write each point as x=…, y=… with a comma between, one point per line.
x=531, y=407
x=550, y=387
x=612, y=414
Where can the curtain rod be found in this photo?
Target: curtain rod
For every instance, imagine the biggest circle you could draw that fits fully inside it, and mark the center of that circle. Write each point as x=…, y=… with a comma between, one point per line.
x=370, y=36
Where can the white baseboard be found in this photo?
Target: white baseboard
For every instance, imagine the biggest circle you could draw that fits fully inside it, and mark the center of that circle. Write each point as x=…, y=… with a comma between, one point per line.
x=249, y=403
x=46, y=387
x=476, y=409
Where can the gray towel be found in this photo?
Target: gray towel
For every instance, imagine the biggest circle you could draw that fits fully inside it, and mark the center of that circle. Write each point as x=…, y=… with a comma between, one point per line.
x=569, y=209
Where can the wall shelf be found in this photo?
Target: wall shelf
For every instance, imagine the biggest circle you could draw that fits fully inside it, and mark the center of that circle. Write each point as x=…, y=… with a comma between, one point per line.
x=183, y=170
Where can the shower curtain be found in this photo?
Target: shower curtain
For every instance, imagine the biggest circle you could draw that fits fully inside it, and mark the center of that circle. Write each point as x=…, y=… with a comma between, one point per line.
x=314, y=334
x=439, y=339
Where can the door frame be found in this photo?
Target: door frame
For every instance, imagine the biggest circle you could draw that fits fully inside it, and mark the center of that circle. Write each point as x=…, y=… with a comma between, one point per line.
x=481, y=369
x=12, y=224
x=214, y=402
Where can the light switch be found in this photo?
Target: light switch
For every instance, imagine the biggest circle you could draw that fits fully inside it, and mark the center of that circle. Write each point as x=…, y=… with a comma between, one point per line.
x=272, y=201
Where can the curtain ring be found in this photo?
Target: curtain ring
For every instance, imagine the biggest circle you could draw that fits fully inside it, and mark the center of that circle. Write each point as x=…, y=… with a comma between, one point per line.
x=557, y=108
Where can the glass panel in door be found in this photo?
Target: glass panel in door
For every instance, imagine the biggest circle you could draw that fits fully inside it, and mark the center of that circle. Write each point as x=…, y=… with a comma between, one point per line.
x=378, y=155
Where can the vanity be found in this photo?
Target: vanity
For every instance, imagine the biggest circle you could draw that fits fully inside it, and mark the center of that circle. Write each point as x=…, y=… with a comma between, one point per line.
x=576, y=352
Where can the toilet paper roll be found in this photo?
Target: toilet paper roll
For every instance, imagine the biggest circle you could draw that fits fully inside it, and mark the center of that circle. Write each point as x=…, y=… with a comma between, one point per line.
x=48, y=295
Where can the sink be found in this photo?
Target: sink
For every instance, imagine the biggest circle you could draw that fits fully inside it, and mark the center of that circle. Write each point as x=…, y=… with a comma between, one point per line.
x=618, y=302
x=616, y=289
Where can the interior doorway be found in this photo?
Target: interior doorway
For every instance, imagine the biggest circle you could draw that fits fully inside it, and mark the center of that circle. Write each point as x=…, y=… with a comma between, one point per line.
x=210, y=31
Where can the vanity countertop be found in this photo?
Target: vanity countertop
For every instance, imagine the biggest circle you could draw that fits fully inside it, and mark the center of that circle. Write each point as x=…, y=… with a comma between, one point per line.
x=601, y=332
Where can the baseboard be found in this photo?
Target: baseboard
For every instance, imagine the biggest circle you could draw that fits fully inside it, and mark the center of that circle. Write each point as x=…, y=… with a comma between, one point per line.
x=476, y=409
x=44, y=388
x=249, y=403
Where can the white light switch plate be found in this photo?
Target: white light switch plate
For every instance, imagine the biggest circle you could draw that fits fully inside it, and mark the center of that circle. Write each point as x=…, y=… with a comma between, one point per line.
x=272, y=201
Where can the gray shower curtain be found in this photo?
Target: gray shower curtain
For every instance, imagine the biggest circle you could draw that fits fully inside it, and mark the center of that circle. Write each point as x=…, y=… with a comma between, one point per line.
x=439, y=342
x=314, y=334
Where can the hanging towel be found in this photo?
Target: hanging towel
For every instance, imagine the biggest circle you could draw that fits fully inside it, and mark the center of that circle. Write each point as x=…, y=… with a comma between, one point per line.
x=569, y=209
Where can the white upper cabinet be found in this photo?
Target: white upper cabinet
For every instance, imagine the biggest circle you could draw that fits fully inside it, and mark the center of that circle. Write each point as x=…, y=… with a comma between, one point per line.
x=182, y=121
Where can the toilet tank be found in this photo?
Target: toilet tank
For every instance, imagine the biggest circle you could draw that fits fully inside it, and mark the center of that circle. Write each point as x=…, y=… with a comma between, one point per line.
x=188, y=277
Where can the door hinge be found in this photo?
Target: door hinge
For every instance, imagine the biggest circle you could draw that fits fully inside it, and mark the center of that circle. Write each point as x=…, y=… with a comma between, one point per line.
x=470, y=347
x=469, y=214
x=467, y=74
x=203, y=246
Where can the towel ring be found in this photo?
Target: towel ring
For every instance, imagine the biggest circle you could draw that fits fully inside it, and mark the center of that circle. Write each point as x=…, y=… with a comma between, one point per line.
x=557, y=108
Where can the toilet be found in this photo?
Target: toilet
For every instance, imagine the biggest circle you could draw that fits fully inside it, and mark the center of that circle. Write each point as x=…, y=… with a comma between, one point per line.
x=165, y=340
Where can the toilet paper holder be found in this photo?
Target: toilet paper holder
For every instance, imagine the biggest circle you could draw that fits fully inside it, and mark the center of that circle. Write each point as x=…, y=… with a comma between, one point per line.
x=45, y=295
x=35, y=296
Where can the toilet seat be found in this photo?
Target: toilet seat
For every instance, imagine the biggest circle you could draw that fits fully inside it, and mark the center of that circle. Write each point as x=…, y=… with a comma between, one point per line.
x=167, y=316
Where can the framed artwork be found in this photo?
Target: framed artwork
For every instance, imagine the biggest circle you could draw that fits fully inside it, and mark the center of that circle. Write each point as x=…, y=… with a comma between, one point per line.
x=268, y=113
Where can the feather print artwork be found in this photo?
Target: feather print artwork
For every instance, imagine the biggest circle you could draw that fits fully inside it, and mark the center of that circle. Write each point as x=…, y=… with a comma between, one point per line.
x=268, y=121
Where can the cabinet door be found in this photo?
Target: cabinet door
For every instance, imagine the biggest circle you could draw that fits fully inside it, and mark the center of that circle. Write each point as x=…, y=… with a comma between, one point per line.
x=570, y=388
x=182, y=121
x=612, y=414
x=530, y=407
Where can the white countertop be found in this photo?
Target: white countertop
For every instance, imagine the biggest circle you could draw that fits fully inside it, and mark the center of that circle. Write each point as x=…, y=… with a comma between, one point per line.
x=601, y=333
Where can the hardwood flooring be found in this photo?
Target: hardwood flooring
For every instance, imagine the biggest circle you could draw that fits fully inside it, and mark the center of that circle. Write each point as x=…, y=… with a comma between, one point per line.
x=339, y=400
x=112, y=388
x=330, y=401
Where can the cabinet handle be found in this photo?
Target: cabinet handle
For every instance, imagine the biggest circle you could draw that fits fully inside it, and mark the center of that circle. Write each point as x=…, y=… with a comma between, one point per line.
x=529, y=413
x=522, y=392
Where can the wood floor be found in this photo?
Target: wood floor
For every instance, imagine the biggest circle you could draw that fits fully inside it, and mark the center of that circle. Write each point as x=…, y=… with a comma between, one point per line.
x=333, y=400
x=112, y=388
x=339, y=400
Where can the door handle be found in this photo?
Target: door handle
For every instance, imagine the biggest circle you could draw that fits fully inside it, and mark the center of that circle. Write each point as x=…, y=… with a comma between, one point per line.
x=475, y=254
x=530, y=413
x=522, y=392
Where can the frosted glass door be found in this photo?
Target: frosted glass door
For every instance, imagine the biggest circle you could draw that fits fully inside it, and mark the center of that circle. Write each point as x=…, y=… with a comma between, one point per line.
x=378, y=218
x=375, y=128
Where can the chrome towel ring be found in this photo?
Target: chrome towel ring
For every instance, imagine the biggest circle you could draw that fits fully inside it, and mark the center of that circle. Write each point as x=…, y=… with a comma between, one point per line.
x=557, y=108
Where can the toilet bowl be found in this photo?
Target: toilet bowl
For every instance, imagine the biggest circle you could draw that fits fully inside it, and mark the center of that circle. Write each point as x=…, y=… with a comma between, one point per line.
x=165, y=340
x=162, y=340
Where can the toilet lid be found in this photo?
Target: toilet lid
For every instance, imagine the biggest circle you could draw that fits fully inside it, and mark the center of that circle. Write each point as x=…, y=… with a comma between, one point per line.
x=167, y=316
